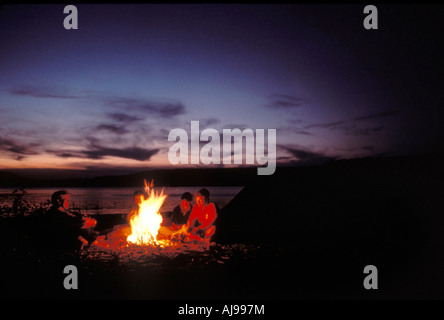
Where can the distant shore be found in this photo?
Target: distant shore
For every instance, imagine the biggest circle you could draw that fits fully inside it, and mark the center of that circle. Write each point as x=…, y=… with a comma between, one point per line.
x=162, y=178
x=46, y=178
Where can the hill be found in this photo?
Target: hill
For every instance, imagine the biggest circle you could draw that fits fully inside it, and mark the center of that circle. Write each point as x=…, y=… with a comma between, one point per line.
x=332, y=220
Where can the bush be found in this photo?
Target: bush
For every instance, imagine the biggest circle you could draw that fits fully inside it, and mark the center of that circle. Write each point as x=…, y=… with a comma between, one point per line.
x=21, y=207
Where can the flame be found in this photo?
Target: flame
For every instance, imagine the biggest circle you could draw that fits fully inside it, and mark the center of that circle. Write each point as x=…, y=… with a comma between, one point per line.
x=146, y=224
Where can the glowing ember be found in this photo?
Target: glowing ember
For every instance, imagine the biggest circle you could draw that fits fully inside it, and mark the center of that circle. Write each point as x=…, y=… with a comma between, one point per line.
x=146, y=224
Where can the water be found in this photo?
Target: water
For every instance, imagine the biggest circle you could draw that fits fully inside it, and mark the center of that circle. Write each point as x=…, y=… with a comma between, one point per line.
x=117, y=200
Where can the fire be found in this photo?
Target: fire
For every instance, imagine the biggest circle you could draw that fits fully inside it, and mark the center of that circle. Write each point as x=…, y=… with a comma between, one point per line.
x=146, y=224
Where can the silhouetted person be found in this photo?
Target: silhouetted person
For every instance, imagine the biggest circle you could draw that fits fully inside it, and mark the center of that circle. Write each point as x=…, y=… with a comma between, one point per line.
x=181, y=213
x=201, y=222
x=67, y=231
x=139, y=196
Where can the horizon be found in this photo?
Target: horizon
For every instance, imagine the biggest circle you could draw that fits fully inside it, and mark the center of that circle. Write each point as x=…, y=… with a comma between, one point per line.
x=74, y=174
x=104, y=97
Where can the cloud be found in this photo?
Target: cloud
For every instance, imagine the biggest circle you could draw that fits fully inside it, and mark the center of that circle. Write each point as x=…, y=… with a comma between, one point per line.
x=294, y=127
x=124, y=118
x=354, y=126
x=18, y=150
x=204, y=123
x=379, y=115
x=295, y=130
x=43, y=92
x=148, y=108
x=326, y=125
x=302, y=154
x=284, y=101
x=98, y=152
x=306, y=157
x=301, y=132
x=349, y=128
x=127, y=153
x=164, y=109
x=364, y=131
x=112, y=128
x=240, y=126
x=65, y=155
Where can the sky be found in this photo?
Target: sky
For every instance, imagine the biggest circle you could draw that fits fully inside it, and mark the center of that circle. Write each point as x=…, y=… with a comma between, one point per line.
x=107, y=94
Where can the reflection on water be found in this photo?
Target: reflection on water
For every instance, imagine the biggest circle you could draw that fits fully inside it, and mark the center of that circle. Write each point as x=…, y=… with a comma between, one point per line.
x=117, y=200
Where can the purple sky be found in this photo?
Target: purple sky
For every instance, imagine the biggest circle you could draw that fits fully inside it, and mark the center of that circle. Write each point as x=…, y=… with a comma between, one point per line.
x=106, y=95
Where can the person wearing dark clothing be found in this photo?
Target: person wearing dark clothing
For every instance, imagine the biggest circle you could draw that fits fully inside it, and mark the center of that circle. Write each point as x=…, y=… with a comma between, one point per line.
x=181, y=213
x=66, y=230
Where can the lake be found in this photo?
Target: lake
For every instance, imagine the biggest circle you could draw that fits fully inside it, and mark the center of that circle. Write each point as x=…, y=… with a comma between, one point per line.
x=117, y=200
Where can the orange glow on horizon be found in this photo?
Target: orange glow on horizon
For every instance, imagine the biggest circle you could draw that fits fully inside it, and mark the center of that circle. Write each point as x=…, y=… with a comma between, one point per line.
x=46, y=161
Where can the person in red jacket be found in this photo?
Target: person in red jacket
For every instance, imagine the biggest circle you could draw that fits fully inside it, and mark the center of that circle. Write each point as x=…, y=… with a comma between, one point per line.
x=200, y=225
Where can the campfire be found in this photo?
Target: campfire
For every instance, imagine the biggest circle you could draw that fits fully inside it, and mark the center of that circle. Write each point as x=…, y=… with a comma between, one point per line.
x=145, y=236
x=143, y=231
x=146, y=224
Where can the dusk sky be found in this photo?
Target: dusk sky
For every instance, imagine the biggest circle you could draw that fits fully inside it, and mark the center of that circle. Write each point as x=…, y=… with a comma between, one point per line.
x=107, y=95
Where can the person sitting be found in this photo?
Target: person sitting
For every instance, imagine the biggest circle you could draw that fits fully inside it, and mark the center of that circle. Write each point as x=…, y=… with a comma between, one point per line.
x=139, y=196
x=181, y=213
x=68, y=230
x=200, y=225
